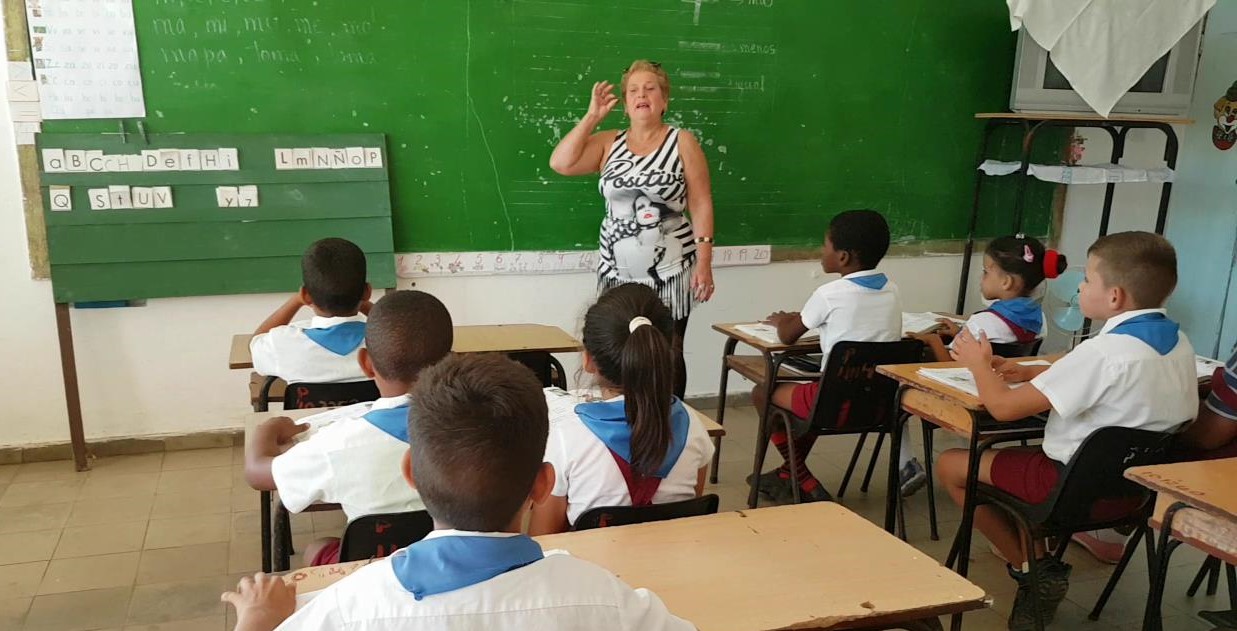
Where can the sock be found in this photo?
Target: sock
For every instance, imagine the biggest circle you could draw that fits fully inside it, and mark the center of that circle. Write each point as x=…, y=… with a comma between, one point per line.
x=904, y=450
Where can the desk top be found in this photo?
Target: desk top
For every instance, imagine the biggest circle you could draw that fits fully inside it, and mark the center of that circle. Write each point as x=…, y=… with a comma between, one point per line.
x=834, y=567
x=485, y=338
x=1206, y=484
x=730, y=331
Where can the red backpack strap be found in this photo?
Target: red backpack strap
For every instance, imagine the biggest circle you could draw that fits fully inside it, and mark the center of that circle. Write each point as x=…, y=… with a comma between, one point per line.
x=1022, y=335
x=641, y=488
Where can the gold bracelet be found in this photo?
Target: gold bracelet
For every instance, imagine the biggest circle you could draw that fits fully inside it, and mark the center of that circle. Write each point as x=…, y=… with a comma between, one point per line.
x=700, y=240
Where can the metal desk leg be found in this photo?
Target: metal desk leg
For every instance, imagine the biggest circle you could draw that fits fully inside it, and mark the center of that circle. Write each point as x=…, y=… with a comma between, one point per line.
x=265, y=508
x=721, y=407
x=772, y=365
x=1152, y=617
x=960, y=552
x=891, y=483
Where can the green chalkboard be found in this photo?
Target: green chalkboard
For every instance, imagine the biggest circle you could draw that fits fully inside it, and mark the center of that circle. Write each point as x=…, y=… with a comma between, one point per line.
x=804, y=107
x=196, y=246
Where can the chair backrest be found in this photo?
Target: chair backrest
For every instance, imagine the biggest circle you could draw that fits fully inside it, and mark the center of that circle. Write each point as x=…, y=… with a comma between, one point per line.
x=376, y=536
x=853, y=397
x=301, y=396
x=1093, y=488
x=547, y=369
x=1015, y=349
x=604, y=516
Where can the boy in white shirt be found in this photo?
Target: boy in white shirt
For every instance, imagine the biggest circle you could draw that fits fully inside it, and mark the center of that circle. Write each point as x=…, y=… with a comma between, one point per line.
x=322, y=349
x=861, y=307
x=1137, y=372
x=477, y=437
x=352, y=461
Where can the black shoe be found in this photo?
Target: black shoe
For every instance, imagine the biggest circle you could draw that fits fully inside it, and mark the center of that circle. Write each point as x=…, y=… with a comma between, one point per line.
x=817, y=494
x=772, y=485
x=1052, y=588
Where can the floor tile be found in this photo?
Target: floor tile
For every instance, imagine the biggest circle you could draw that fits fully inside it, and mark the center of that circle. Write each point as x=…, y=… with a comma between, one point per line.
x=210, y=623
x=33, y=493
x=197, y=459
x=119, y=465
x=184, y=562
x=21, y=579
x=184, y=504
x=110, y=511
x=184, y=531
x=98, y=539
x=45, y=471
x=37, y=517
x=181, y=600
x=245, y=498
x=78, y=611
x=13, y=611
x=94, y=572
x=8, y=472
x=120, y=485
x=195, y=480
x=24, y=547
x=244, y=556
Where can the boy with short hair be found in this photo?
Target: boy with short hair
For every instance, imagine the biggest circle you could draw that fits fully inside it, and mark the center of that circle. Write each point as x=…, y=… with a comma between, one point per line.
x=324, y=348
x=862, y=307
x=1138, y=372
x=477, y=435
x=353, y=461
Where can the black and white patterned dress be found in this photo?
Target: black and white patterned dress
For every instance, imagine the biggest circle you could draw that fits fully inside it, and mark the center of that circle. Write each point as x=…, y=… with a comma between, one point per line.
x=645, y=237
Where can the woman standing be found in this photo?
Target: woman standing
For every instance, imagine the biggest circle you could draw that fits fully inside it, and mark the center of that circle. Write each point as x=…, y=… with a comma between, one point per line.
x=651, y=175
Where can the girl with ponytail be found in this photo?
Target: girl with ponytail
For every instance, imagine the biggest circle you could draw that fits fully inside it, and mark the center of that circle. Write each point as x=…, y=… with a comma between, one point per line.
x=1013, y=268
x=639, y=444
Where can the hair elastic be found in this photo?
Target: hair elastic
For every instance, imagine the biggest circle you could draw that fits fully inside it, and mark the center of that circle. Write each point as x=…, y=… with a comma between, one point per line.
x=1027, y=254
x=1052, y=260
x=638, y=322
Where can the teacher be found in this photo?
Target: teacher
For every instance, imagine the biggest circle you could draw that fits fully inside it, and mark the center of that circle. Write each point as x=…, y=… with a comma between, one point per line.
x=652, y=174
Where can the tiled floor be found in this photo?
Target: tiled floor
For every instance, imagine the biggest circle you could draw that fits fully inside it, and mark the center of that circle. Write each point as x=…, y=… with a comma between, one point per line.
x=148, y=542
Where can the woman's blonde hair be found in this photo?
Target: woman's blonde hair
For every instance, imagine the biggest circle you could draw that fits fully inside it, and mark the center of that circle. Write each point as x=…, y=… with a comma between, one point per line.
x=663, y=79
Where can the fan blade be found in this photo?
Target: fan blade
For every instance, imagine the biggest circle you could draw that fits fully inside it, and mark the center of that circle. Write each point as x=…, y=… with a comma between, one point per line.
x=1065, y=286
x=1068, y=319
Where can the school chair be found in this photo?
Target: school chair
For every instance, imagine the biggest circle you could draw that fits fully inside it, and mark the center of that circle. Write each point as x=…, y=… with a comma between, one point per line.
x=545, y=366
x=301, y=396
x=606, y=516
x=1091, y=494
x=1210, y=570
x=377, y=536
x=264, y=390
x=853, y=399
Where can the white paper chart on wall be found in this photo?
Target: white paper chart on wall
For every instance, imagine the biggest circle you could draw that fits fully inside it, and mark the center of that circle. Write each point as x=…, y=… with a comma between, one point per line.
x=85, y=58
x=425, y=264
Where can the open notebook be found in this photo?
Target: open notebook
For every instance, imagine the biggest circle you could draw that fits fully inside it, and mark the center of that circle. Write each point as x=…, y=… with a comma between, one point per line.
x=962, y=379
x=767, y=333
x=911, y=323
x=924, y=322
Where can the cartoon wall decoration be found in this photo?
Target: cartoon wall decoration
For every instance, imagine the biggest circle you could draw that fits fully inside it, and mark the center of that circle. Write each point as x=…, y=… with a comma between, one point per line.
x=1224, y=134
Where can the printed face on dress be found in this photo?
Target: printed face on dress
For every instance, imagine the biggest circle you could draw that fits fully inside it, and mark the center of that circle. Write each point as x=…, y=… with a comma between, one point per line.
x=647, y=213
x=644, y=100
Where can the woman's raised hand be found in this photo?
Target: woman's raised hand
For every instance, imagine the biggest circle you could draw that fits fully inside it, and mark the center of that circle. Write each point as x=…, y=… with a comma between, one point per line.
x=602, y=100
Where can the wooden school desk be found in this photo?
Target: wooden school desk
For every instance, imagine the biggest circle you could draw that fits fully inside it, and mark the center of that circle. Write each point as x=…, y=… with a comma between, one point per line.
x=834, y=569
x=1196, y=504
x=265, y=497
x=756, y=368
x=952, y=410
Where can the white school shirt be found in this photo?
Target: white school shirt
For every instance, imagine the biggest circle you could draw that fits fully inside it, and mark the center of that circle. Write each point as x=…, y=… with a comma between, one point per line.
x=349, y=462
x=1116, y=381
x=286, y=352
x=586, y=474
x=557, y=592
x=848, y=312
x=993, y=326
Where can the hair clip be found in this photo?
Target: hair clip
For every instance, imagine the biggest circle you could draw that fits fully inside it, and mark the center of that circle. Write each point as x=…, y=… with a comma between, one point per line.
x=638, y=322
x=1027, y=254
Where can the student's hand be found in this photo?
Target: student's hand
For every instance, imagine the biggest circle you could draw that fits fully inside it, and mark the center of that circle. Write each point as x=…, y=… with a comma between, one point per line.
x=926, y=338
x=281, y=430
x=975, y=354
x=948, y=327
x=1010, y=371
x=602, y=100
x=262, y=602
x=776, y=318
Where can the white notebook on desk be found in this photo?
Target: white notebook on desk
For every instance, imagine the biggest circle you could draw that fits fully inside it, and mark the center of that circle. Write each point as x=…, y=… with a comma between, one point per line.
x=925, y=322
x=962, y=379
x=767, y=333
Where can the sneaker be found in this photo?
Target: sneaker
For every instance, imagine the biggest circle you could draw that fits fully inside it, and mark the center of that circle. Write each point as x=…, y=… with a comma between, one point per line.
x=816, y=493
x=774, y=485
x=1053, y=585
x=913, y=476
x=1102, y=544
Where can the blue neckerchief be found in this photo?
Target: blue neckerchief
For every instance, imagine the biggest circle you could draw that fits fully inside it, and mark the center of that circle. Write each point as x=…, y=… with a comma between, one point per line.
x=1155, y=329
x=1023, y=312
x=341, y=339
x=871, y=281
x=445, y=564
x=608, y=422
x=393, y=421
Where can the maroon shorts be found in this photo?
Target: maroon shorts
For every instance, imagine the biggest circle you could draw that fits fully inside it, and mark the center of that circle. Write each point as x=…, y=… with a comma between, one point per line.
x=803, y=397
x=1027, y=474
x=328, y=555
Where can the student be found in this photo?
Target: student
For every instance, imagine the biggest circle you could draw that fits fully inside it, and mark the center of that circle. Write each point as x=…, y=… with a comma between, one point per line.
x=1013, y=268
x=862, y=307
x=638, y=446
x=1137, y=372
x=324, y=348
x=477, y=434
x=1214, y=433
x=352, y=461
